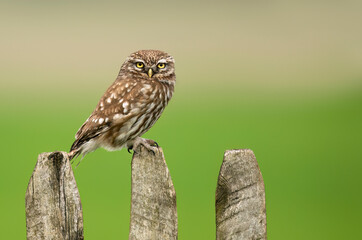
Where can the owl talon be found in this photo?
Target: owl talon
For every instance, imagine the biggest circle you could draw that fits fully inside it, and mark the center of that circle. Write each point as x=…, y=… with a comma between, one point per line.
x=152, y=143
x=152, y=151
x=147, y=143
x=129, y=149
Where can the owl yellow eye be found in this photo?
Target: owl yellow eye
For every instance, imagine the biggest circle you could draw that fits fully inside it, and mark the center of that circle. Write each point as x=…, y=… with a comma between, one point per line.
x=161, y=65
x=139, y=64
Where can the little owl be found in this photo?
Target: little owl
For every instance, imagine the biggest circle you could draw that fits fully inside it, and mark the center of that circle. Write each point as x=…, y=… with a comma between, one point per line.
x=130, y=106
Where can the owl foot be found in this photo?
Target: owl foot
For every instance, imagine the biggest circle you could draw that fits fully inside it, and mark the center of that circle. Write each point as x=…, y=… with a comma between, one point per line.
x=149, y=144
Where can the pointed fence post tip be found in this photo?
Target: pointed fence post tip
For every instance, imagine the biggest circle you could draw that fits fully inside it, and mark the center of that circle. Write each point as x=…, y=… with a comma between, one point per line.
x=52, y=201
x=240, y=197
x=153, y=206
x=54, y=210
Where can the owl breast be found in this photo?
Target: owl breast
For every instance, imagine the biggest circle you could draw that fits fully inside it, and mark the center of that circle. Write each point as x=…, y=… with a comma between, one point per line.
x=145, y=109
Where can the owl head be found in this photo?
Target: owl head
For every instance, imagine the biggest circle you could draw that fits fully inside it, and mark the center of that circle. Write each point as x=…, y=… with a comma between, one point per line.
x=149, y=65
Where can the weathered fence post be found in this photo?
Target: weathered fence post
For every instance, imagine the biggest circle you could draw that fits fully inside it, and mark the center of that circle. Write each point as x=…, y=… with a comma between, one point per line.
x=153, y=206
x=240, y=198
x=54, y=211
x=53, y=207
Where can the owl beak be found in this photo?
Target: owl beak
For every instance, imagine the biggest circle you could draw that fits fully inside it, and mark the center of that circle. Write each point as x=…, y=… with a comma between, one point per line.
x=150, y=72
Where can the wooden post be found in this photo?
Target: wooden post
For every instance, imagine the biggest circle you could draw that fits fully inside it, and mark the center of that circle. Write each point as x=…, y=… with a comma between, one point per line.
x=153, y=206
x=53, y=207
x=240, y=198
x=54, y=211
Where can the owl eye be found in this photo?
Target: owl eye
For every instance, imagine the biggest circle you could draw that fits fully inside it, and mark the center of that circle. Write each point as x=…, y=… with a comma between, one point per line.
x=139, y=64
x=161, y=65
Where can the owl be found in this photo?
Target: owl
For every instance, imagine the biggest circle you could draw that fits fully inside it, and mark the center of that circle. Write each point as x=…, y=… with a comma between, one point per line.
x=130, y=106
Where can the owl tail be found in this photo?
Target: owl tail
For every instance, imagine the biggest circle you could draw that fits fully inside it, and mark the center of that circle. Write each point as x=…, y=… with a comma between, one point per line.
x=73, y=155
x=75, y=151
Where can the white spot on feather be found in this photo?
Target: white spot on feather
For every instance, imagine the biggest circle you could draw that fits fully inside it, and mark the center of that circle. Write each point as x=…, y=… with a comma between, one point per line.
x=109, y=100
x=125, y=104
x=153, y=94
x=117, y=116
x=101, y=120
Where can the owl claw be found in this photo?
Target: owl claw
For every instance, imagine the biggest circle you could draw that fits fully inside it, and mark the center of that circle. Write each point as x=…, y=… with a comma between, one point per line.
x=147, y=143
x=151, y=144
x=129, y=149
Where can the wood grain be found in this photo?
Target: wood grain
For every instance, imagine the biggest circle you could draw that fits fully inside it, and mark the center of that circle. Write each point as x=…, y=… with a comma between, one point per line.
x=240, y=198
x=53, y=207
x=153, y=206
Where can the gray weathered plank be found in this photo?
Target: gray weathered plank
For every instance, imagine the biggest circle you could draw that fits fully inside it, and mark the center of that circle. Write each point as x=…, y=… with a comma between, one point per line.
x=240, y=198
x=153, y=206
x=53, y=207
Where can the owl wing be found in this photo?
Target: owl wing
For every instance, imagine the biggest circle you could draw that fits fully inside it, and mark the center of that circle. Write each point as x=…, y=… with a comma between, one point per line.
x=121, y=100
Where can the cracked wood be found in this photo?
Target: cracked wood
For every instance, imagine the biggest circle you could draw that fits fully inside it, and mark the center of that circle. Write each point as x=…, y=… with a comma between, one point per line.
x=240, y=198
x=53, y=207
x=153, y=206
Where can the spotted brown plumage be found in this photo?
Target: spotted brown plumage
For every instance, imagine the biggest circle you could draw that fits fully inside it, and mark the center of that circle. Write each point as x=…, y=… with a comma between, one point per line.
x=131, y=105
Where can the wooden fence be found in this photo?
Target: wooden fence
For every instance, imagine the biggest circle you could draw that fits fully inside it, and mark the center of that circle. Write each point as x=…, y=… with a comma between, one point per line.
x=54, y=210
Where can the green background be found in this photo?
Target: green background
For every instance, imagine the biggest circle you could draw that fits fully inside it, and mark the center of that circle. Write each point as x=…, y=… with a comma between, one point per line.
x=283, y=79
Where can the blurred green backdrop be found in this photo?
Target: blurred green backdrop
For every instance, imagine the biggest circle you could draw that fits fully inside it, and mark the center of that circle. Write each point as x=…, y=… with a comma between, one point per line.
x=283, y=79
